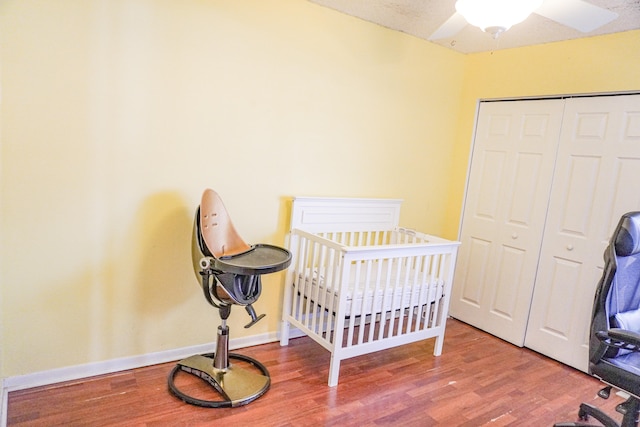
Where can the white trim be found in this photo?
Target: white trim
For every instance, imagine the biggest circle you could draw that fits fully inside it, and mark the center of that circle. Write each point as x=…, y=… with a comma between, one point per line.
x=296, y=333
x=561, y=96
x=4, y=397
x=71, y=373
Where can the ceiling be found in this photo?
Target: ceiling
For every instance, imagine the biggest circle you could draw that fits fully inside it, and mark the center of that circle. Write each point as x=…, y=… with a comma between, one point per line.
x=421, y=18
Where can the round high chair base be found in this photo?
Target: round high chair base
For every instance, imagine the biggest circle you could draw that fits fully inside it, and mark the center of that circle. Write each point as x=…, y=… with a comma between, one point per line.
x=236, y=386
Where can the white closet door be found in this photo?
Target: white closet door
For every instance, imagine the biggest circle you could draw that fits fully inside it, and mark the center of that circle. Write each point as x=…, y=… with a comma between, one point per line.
x=597, y=179
x=503, y=218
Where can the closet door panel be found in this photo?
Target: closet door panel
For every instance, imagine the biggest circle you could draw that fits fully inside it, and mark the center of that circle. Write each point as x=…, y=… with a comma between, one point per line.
x=562, y=279
x=579, y=190
x=477, y=262
x=485, y=210
x=596, y=181
x=625, y=195
x=492, y=174
x=507, y=195
x=528, y=170
x=504, y=301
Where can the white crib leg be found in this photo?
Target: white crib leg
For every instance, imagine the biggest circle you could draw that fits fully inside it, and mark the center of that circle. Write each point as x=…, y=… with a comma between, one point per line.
x=284, y=333
x=334, y=371
x=437, y=348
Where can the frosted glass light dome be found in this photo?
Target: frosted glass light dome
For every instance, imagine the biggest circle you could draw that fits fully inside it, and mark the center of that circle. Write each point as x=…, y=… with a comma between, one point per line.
x=496, y=16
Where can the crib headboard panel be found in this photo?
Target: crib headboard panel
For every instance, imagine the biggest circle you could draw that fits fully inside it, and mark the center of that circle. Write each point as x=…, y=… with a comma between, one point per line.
x=319, y=214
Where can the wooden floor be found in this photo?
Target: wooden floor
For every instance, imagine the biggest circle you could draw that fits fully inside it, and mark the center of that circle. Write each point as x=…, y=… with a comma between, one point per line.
x=479, y=380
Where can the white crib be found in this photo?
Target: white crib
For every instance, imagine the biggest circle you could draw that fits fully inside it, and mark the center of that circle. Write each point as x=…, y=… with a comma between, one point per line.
x=358, y=283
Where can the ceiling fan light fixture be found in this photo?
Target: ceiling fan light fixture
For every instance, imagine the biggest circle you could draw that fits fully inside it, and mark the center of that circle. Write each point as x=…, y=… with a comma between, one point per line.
x=496, y=16
x=495, y=31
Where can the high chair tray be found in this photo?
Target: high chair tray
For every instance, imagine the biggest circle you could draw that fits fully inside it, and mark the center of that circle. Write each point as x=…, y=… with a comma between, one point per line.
x=261, y=259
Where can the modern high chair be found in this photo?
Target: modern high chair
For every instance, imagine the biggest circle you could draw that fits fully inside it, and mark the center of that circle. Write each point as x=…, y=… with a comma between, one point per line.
x=229, y=271
x=614, y=346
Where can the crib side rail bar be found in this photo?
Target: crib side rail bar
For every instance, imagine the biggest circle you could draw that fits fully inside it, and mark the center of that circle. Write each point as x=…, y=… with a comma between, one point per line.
x=313, y=283
x=374, y=239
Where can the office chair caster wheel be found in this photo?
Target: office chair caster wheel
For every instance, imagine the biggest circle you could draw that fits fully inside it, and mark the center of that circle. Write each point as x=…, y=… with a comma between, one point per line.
x=236, y=385
x=605, y=392
x=583, y=416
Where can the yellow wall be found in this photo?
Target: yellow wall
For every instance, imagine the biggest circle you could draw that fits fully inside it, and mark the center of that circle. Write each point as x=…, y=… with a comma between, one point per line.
x=117, y=114
x=597, y=64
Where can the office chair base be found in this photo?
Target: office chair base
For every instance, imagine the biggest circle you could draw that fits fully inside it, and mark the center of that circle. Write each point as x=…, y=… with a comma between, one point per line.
x=236, y=385
x=629, y=409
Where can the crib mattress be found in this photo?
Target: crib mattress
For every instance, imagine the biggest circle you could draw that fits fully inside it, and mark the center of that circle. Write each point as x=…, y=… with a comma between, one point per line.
x=403, y=290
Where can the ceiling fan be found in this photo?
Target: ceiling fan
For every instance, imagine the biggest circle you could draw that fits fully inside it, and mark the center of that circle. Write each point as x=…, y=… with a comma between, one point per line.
x=497, y=16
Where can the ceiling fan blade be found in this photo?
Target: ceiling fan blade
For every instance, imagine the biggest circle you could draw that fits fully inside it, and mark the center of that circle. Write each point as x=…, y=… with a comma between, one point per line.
x=577, y=14
x=451, y=27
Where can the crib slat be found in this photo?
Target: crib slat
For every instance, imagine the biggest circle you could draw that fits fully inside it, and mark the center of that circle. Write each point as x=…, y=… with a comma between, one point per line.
x=437, y=319
x=325, y=330
x=299, y=277
x=425, y=293
x=366, y=293
x=307, y=284
x=385, y=316
x=417, y=295
x=315, y=296
x=313, y=300
x=377, y=289
x=414, y=268
x=337, y=263
x=343, y=289
x=405, y=263
x=331, y=283
x=394, y=304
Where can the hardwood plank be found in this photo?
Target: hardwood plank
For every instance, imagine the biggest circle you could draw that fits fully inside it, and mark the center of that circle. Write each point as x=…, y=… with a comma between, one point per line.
x=478, y=380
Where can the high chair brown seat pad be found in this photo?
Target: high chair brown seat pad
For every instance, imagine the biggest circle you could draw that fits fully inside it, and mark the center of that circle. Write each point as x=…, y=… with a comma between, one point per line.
x=217, y=229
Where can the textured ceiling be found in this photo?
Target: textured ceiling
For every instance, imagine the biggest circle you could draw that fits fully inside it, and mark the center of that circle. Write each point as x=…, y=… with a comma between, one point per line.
x=421, y=18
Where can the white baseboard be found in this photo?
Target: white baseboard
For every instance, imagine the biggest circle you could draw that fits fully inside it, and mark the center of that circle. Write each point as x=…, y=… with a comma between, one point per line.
x=4, y=396
x=296, y=333
x=72, y=373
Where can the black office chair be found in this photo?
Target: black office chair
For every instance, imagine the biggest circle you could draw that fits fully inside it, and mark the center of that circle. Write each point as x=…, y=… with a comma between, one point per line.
x=614, y=347
x=229, y=271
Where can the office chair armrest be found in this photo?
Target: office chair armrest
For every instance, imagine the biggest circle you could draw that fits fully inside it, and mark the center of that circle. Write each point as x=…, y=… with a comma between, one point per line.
x=625, y=335
x=620, y=338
